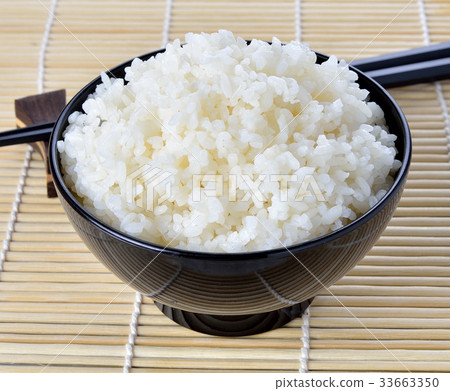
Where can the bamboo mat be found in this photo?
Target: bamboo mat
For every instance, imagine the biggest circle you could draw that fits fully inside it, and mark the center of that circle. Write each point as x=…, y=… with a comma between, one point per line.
x=54, y=295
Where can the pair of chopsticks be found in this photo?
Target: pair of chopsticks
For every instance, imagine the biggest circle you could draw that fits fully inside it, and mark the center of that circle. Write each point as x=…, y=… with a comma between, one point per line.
x=425, y=64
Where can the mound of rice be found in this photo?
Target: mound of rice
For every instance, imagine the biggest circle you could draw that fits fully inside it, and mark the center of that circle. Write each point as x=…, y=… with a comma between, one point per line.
x=291, y=150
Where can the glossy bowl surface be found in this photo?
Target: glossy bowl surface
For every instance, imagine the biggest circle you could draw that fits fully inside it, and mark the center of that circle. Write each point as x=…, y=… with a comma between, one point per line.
x=239, y=283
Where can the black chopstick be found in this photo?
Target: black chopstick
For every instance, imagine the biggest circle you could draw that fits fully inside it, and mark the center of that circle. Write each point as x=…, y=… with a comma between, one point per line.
x=419, y=65
x=419, y=72
x=30, y=134
x=426, y=53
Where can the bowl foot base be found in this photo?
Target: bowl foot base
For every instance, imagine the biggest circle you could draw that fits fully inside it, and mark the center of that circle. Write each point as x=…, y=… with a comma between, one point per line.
x=234, y=325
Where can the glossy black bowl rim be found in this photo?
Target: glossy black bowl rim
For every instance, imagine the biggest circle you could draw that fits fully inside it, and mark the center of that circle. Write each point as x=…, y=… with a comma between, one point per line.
x=66, y=193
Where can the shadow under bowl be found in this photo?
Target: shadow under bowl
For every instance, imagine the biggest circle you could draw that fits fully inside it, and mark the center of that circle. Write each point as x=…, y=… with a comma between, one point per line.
x=240, y=293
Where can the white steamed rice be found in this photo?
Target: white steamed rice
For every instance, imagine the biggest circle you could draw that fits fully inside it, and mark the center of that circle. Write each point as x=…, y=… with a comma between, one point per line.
x=211, y=107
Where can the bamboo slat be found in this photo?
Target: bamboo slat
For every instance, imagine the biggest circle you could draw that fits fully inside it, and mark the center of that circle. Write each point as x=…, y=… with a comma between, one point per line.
x=383, y=366
x=14, y=368
x=390, y=313
x=394, y=300
x=376, y=312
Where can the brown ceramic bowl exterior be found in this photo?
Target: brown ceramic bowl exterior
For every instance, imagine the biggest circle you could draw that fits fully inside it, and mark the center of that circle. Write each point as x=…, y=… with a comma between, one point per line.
x=239, y=283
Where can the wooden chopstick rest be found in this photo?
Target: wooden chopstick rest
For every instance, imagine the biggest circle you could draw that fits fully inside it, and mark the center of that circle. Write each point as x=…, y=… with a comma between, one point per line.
x=37, y=109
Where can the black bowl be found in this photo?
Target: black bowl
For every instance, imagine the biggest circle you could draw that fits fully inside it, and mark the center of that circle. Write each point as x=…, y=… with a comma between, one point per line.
x=239, y=293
